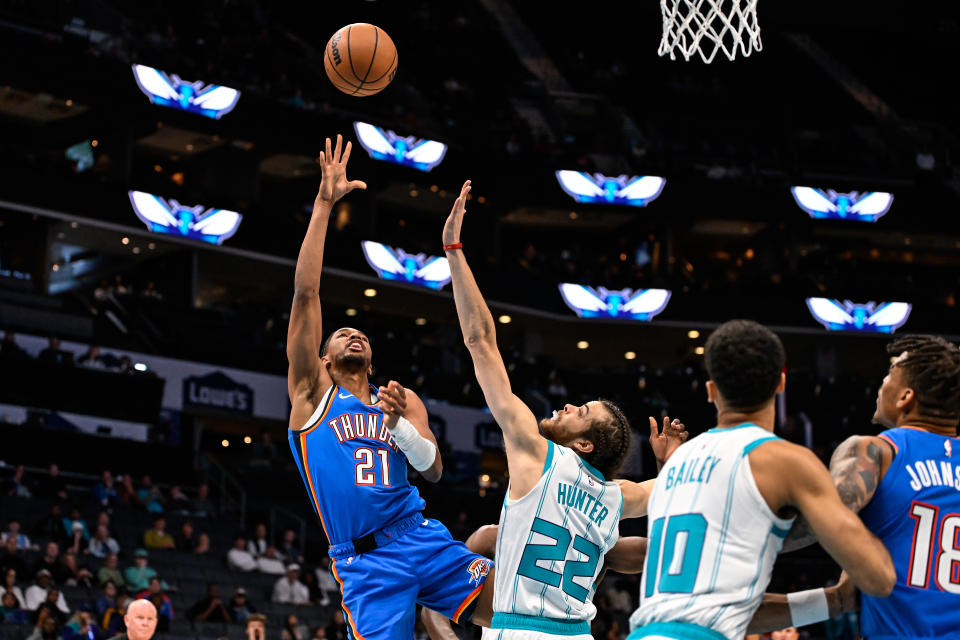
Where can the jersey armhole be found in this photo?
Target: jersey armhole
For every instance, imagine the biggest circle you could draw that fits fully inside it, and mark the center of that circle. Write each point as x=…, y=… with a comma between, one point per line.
x=890, y=443
x=549, y=459
x=321, y=412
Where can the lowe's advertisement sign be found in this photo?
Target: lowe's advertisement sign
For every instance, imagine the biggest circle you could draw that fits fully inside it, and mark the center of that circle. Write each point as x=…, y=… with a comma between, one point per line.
x=218, y=392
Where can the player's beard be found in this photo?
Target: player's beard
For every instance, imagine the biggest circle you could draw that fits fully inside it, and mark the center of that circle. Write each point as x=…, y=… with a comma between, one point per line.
x=349, y=361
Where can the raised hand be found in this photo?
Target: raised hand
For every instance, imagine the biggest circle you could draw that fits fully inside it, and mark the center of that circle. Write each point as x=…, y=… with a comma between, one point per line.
x=393, y=401
x=334, y=184
x=665, y=442
x=451, y=229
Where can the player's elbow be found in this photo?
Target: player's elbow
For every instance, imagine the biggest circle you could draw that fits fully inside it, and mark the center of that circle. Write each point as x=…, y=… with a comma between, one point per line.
x=435, y=471
x=880, y=578
x=479, y=339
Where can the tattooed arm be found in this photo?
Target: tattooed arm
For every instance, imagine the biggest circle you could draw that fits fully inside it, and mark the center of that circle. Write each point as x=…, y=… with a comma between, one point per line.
x=857, y=466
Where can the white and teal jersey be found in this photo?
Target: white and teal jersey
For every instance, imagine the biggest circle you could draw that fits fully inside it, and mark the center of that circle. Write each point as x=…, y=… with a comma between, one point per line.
x=713, y=540
x=550, y=548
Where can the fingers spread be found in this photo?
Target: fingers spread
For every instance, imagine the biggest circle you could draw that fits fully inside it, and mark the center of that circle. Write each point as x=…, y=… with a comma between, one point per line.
x=336, y=151
x=327, y=148
x=346, y=153
x=654, y=432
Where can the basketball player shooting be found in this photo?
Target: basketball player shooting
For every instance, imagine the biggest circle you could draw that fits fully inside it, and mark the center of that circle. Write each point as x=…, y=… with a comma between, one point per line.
x=722, y=504
x=352, y=442
x=562, y=509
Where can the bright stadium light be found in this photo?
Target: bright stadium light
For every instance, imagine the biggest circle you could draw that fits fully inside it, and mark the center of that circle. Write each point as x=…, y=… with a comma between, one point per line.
x=420, y=269
x=867, y=206
x=409, y=151
x=635, y=191
x=871, y=317
x=169, y=216
x=600, y=302
x=210, y=100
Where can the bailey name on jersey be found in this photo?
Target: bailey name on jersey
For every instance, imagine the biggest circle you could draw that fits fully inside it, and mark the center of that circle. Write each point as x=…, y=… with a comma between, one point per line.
x=367, y=426
x=695, y=470
x=583, y=500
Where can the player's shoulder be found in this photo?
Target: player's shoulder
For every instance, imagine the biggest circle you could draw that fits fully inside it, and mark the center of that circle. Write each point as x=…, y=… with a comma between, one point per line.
x=880, y=448
x=778, y=454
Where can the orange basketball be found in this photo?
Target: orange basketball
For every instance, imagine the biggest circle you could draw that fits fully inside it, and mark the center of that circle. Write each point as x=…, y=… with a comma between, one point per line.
x=360, y=59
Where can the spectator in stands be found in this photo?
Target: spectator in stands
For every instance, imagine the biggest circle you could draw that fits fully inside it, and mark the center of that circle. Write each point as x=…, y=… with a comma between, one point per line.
x=158, y=538
x=52, y=486
x=337, y=629
x=154, y=593
x=325, y=580
x=187, y=538
x=259, y=543
x=107, y=600
x=104, y=491
x=10, y=351
x=271, y=563
x=293, y=630
x=51, y=525
x=256, y=627
x=10, y=586
x=203, y=545
x=126, y=368
x=140, y=620
x=202, y=506
x=209, y=608
x=50, y=561
x=313, y=587
x=48, y=628
x=11, y=611
x=16, y=486
x=70, y=524
x=239, y=558
x=74, y=574
x=39, y=593
x=92, y=359
x=53, y=354
x=102, y=544
x=76, y=543
x=179, y=502
x=139, y=575
x=82, y=625
x=110, y=572
x=240, y=609
x=13, y=531
x=126, y=494
x=113, y=616
x=289, y=589
x=150, y=496
x=288, y=547
x=12, y=560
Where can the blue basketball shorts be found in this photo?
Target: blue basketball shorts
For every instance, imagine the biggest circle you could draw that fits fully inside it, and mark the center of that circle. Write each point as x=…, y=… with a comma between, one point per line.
x=424, y=566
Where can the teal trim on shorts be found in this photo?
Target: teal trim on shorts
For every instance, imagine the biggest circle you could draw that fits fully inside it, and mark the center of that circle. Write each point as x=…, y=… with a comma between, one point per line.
x=678, y=630
x=553, y=626
x=549, y=460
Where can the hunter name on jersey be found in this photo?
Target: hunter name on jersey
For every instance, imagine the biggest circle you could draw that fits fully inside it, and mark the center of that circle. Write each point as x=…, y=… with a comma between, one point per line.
x=584, y=501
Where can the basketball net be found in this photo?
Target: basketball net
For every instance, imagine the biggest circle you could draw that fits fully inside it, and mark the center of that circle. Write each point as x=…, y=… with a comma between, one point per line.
x=705, y=27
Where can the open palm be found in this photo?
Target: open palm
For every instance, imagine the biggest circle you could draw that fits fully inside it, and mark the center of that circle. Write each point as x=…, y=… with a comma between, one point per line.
x=451, y=229
x=333, y=165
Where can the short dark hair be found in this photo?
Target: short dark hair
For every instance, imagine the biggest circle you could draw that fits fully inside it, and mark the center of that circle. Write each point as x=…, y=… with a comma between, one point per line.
x=610, y=435
x=326, y=343
x=745, y=360
x=932, y=369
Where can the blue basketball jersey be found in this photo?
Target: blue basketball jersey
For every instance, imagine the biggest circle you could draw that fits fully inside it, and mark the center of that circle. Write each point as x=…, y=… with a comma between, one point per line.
x=915, y=511
x=354, y=472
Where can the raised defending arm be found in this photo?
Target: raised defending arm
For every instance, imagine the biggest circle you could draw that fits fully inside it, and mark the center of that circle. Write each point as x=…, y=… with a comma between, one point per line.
x=520, y=431
x=306, y=379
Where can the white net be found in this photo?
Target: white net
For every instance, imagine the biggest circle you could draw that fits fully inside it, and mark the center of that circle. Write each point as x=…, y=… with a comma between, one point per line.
x=706, y=27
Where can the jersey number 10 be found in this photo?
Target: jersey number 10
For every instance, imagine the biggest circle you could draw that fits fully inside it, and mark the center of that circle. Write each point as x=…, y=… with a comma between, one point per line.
x=947, y=570
x=682, y=548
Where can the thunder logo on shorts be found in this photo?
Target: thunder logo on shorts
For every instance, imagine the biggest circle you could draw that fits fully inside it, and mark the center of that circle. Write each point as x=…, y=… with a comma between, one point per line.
x=478, y=570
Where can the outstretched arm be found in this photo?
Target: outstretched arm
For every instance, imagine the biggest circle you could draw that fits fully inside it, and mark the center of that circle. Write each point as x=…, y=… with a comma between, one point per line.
x=525, y=446
x=856, y=467
x=306, y=379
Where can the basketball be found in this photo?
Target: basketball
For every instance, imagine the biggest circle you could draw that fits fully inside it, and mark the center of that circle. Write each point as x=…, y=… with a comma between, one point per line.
x=360, y=59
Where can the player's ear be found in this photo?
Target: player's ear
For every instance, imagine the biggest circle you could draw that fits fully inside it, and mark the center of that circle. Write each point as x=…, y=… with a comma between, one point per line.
x=711, y=392
x=783, y=383
x=582, y=445
x=906, y=400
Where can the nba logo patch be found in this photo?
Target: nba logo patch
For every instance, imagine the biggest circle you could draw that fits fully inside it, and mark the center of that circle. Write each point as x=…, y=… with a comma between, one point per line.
x=478, y=569
x=590, y=481
x=947, y=448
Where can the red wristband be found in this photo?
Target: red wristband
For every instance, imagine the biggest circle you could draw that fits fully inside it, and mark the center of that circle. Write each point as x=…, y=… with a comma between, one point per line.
x=453, y=247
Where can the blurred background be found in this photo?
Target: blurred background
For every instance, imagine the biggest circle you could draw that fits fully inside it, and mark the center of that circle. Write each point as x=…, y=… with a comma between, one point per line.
x=148, y=363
